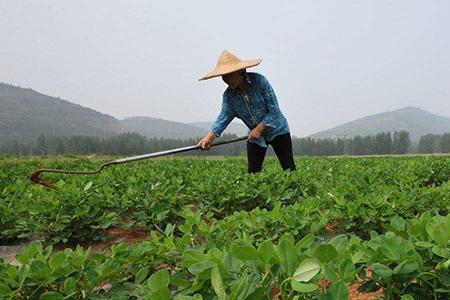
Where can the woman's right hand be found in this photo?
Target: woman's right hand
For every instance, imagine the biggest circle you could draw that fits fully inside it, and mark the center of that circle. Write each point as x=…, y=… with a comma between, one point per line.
x=205, y=143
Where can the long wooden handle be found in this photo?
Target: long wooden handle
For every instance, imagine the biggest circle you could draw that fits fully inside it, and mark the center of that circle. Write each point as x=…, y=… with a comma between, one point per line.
x=35, y=176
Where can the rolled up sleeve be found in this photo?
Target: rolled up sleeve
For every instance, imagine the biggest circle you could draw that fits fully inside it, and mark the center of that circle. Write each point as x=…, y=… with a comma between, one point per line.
x=224, y=118
x=273, y=110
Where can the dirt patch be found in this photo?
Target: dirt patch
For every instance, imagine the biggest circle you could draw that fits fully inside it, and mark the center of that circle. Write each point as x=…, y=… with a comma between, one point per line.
x=8, y=253
x=121, y=235
x=356, y=295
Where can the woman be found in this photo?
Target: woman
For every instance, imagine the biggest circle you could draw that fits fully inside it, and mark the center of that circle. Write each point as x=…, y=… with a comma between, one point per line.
x=250, y=98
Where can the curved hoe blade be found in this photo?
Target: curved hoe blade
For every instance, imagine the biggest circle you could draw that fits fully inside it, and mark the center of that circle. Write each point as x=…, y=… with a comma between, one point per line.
x=36, y=179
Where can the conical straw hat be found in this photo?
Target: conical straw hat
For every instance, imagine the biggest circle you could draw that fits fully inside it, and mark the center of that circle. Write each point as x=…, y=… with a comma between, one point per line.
x=228, y=63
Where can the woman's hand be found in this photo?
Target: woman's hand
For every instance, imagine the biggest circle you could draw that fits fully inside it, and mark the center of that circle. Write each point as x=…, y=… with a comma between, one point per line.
x=256, y=132
x=205, y=143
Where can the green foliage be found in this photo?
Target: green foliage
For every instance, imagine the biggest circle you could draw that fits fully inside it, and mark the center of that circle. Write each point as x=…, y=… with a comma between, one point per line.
x=230, y=235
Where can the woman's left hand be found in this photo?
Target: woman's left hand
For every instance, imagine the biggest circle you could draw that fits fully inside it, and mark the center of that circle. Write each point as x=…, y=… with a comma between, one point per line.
x=256, y=132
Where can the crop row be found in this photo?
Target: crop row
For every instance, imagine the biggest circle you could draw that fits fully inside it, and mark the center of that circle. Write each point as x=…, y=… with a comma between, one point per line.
x=410, y=260
x=349, y=195
x=216, y=232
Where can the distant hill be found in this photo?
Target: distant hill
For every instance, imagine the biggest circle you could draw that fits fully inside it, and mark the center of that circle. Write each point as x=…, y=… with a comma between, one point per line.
x=26, y=114
x=156, y=128
x=234, y=127
x=416, y=121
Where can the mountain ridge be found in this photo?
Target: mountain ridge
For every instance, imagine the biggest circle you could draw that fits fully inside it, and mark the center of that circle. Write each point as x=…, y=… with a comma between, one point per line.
x=415, y=120
x=25, y=114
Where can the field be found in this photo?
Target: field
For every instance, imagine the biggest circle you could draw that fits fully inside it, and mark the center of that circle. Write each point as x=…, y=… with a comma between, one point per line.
x=201, y=228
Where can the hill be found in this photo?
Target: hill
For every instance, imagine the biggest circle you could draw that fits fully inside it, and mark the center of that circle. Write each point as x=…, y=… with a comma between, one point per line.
x=416, y=121
x=26, y=114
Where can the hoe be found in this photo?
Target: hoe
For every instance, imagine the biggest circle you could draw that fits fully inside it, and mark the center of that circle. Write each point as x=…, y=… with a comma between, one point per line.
x=35, y=177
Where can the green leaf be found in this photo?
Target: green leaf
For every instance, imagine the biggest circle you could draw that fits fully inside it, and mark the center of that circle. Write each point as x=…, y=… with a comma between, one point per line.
x=339, y=291
x=340, y=243
x=201, y=266
x=265, y=250
x=192, y=256
x=391, y=248
x=237, y=289
x=303, y=287
x=40, y=269
x=305, y=242
x=440, y=234
x=307, y=269
x=287, y=253
x=70, y=285
x=407, y=297
x=330, y=272
x=4, y=290
x=443, y=265
x=23, y=257
x=57, y=260
x=51, y=296
x=347, y=270
x=161, y=294
x=325, y=253
x=88, y=186
x=119, y=249
x=441, y=251
x=243, y=250
x=141, y=275
x=382, y=270
x=159, y=280
x=23, y=273
x=398, y=223
x=217, y=283
x=424, y=244
x=405, y=267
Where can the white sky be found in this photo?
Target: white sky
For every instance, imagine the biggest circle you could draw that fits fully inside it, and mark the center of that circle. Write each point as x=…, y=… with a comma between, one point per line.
x=328, y=61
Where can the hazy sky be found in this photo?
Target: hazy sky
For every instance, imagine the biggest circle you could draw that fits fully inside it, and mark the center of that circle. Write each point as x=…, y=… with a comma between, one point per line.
x=328, y=61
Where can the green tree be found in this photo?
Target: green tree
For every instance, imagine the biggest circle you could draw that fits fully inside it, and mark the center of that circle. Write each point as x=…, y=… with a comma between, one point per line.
x=41, y=147
x=427, y=142
x=444, y=143
x=401, y=142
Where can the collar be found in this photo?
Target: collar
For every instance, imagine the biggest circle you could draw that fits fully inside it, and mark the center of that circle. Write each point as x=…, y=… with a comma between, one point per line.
x=247, y=79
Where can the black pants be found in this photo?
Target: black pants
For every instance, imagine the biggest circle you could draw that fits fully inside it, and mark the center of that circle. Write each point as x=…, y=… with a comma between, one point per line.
x=282, y=145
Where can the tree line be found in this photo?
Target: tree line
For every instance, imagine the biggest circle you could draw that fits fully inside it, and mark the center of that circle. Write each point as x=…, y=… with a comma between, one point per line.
x=121, y=144
x=434, y=143
x=133, y=143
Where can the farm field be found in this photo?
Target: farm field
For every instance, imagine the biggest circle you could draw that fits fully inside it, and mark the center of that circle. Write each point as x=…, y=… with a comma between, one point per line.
x=202, y=228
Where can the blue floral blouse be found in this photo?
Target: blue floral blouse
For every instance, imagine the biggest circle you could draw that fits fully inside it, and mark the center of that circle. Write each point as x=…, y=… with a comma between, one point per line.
x=259, y=105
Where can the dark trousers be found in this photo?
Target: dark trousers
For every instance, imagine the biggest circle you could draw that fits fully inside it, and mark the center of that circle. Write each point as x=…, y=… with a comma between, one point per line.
x=282, y=145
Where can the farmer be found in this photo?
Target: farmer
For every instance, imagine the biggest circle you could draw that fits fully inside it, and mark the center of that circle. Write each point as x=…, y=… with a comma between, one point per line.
x=250, y=98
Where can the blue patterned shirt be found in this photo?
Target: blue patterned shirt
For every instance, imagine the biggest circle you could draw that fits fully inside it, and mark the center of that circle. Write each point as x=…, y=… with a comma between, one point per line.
x=259, y=105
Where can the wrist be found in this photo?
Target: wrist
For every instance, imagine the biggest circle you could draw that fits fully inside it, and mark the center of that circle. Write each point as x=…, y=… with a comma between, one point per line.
x=211, y=136
x=261, y=127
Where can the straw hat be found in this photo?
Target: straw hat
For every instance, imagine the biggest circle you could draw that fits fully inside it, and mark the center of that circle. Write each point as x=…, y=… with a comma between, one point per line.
x=228, y=63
